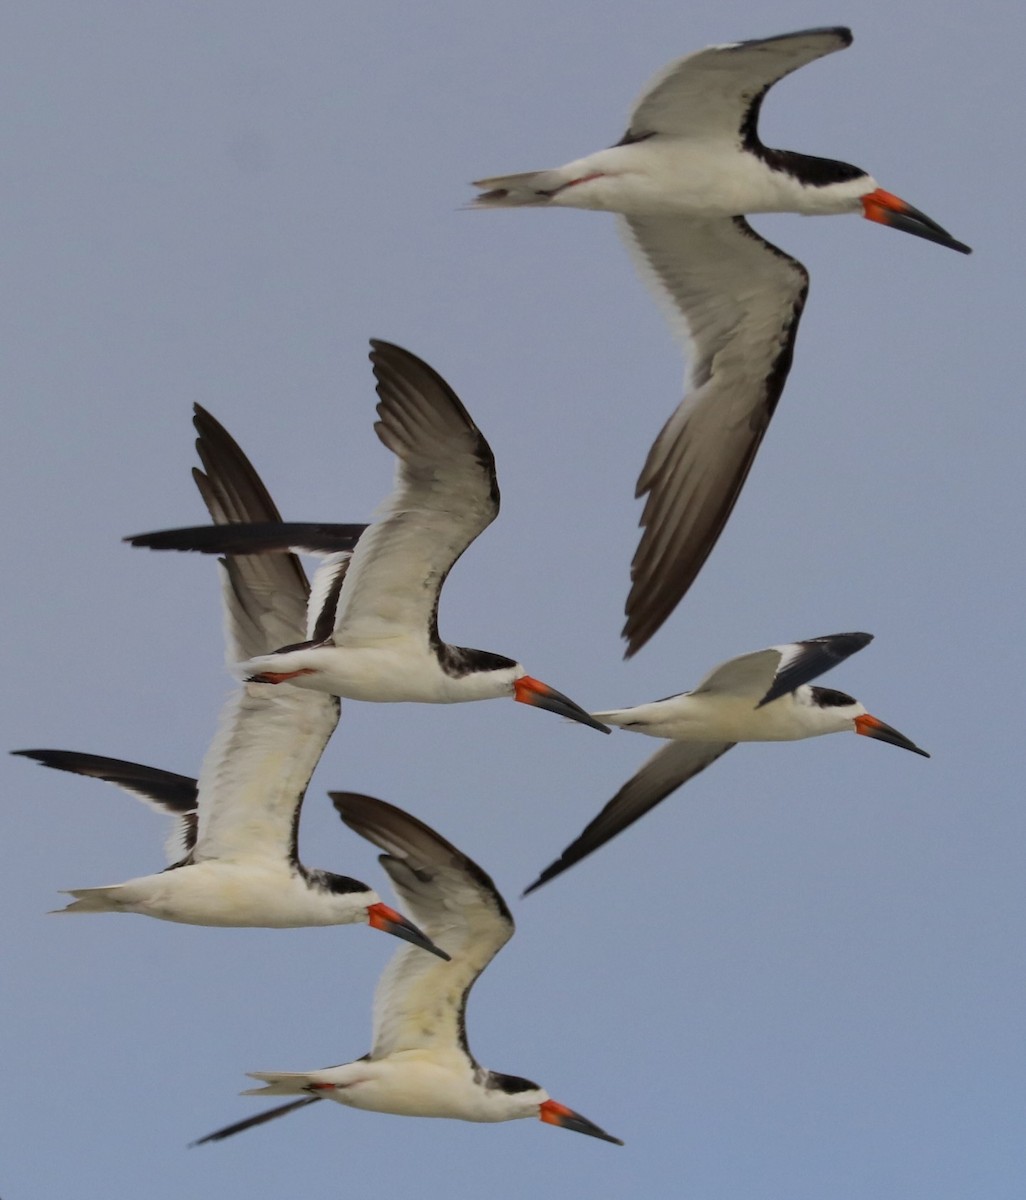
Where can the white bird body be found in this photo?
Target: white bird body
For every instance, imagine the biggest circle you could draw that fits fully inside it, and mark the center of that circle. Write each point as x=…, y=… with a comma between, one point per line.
x=695, y=176
x=410, y=1083
x=266, y=894
x=759, y=697
x=681, y=179
x=420, y=1064
x=734, y=718
x=391, y=669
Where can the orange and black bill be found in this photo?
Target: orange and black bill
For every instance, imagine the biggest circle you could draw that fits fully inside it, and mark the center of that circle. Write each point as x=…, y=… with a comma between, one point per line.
x=871, y=727
x=888, y=209
x=380, y=916
x=533, y=691
x=554, y=1113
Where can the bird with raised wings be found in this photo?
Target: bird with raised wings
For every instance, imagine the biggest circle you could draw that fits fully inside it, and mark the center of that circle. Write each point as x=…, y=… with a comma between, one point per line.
x=384, y=644
x=420, y=1064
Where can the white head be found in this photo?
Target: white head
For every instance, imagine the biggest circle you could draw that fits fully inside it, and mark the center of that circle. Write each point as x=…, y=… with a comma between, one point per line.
x=826, y=186
x=483, y=675
x=355, y=901
x=837, y=711
x=515, y=1098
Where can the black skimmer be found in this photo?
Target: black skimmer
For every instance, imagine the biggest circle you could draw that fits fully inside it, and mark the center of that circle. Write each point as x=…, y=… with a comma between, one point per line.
x=235, y=859
x=385, y=644
x=761, y=697
x=690, y=164
x=420, y=1064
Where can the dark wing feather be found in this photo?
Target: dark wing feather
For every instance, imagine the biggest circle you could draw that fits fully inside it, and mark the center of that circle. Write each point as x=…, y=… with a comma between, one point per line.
x=801, y=662
x=664, y=772
x=163, y=790
x=248, y=1122
x=736, y=301
x=255, y=537
x=174, y=794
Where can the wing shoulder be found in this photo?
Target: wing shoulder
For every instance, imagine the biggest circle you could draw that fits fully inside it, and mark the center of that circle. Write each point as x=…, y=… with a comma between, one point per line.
x=748, y=674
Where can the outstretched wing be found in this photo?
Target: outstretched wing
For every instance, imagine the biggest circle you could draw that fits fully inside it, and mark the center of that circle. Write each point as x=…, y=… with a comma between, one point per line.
x=270, y=739
x=445, y=495
x=331, y=542
x=260, y=1119
x=801, y=662
x=713, y=92
x=736, y=301
x=664, y=772
x=420, y=1000
x=766, y=675
x=163, y=790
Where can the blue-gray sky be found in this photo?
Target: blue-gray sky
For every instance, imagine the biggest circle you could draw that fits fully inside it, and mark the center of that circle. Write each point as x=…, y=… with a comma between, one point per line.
x=801, y=977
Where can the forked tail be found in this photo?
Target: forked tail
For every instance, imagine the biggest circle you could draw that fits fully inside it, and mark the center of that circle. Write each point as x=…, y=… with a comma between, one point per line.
x=94, y=900
x=514, y=191
x=279, y=1083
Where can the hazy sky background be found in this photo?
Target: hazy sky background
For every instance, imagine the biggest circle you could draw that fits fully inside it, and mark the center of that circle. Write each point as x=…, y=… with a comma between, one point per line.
x=801, y=978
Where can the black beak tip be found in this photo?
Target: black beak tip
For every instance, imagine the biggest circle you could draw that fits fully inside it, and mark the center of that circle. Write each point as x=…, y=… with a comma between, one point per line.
x=920, y=225
x=907, y=744
x=555, y=702
x=952, y=244
x=425, y=943
x=582, y=717
x=410, y=933
x=583, y=1125
x=585, y=718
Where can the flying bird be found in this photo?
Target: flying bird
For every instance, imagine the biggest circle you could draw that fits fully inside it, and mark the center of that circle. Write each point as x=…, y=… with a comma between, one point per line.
x=765, y=696
x=690, y=164
x=380, y=641
x=420, y=1064
x=234, y=859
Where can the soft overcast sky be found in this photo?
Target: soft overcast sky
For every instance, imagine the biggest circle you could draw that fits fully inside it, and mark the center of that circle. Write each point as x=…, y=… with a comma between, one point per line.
x=801, y=978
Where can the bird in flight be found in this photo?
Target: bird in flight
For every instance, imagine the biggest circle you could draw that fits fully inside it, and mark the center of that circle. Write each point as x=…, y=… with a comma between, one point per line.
x=681, y=178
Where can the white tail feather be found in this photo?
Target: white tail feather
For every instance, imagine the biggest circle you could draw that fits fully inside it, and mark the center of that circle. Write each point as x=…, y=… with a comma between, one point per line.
x=279, y=1083
x=514, y=191
x=101, y=899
